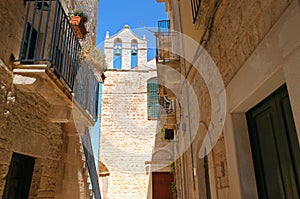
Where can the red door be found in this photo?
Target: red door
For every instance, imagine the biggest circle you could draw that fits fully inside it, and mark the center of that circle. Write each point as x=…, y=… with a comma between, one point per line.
x=162, y=185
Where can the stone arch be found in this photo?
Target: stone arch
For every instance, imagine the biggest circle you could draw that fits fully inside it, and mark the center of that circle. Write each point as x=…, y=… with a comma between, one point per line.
x=134, y=41
x=162, y=155
x=118, y=40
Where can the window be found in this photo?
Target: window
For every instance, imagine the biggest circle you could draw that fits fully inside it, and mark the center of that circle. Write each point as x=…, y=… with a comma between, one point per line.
x=195, y=9
x=118, y=54
x=152, y=91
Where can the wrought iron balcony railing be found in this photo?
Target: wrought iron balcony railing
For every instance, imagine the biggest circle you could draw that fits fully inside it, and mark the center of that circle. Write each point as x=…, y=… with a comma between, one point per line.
x=195, y=9
x=48, y=41
x=166, y=43
x=48, y=38
x=86, y=90
x=166, y=47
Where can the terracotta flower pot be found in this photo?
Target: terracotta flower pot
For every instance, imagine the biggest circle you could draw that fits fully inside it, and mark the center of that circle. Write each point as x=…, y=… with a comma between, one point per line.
x=75, y=20
x=78, y=27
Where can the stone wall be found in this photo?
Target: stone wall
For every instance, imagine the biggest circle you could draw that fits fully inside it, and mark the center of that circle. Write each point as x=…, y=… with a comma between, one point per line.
x=127, y=136
x=25, y=127
x=12, y=28
x=237, y=30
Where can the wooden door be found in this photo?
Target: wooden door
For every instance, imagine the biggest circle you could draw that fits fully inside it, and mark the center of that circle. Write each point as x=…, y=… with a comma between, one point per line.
x=275, y=147
x=19, y=176
x=162, y=185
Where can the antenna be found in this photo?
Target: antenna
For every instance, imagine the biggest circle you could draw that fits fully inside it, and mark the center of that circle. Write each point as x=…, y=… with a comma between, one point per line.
x=146, y=28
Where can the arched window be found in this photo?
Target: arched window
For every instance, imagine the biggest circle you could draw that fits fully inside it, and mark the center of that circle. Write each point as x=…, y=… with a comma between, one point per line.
x=134, y=53
x=117, y=53
x=152, y=97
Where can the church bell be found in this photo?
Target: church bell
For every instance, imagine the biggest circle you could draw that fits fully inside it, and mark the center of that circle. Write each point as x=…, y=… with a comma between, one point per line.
x=134, y=50
x=118, y=50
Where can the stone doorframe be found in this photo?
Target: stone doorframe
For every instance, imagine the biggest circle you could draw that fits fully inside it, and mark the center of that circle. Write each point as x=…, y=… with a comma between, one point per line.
x=275, y=61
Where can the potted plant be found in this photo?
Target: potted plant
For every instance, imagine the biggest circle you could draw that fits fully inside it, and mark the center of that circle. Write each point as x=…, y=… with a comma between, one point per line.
x=95, y=60
x=78, y=20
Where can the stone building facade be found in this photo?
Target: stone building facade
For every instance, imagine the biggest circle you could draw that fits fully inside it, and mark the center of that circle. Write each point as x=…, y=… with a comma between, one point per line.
x=126, y=131
x=254, y=46
x=40, y=140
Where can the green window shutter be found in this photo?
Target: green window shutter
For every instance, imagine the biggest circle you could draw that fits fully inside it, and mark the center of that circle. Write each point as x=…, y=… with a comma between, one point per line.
x=152, y=91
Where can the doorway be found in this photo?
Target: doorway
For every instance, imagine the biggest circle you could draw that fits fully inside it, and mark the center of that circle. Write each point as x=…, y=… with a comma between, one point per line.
x=275, y=147
x=162, y=185
x=19, y=177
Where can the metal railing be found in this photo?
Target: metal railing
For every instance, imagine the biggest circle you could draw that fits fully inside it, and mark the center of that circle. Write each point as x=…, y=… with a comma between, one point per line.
x=163, y=25
x=195, y=9
x=166, y=46
x=90, y=161
x=48, y=37
x=166, y=43
x=86, y=90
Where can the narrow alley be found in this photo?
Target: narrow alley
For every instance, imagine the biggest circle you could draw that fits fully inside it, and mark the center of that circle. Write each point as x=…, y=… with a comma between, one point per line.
x=152, y=99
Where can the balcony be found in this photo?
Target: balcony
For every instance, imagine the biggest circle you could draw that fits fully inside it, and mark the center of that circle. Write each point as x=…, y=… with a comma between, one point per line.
x=168, y=111
x=86, y=94
x=168, y=60
x=48, y=62
x=167, y=43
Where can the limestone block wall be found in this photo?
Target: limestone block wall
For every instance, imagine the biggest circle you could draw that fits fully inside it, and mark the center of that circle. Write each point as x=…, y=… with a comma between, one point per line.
x=26, y=130
x=12, y=27
x=127, y=136
x=237, y=30
x=24, y=124
x=239, y=27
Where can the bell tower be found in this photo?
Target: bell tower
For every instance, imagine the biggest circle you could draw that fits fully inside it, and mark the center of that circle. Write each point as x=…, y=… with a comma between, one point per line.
x=125, y=50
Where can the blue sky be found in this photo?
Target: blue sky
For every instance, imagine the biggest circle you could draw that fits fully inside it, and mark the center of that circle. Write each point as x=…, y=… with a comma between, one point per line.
x=112, y=16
